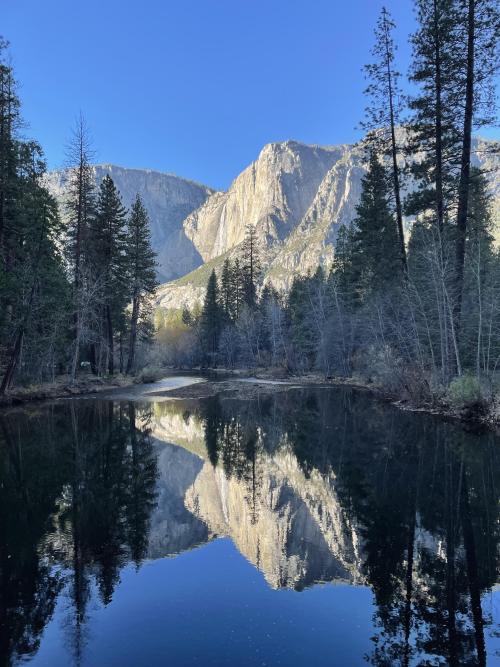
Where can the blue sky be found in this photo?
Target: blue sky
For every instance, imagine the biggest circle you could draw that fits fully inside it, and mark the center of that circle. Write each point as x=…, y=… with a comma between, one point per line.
x=194, y=87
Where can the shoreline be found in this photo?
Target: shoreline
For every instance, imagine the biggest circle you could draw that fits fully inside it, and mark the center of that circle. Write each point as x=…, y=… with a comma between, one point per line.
x=63, y=388
x=245, y=384
x=234, y=383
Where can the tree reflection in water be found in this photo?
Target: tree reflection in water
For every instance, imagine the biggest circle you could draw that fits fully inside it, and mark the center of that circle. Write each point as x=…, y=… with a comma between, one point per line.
x=351, y=489
x=78, y=487
x=422, y=495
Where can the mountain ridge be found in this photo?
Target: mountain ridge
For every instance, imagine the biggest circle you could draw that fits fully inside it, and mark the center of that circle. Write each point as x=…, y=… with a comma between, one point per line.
x=168, y=199
x=296, y=195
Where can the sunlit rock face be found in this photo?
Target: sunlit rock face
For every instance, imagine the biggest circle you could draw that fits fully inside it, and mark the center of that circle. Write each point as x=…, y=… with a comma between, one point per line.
x=168, y=199
x=297, y=196
x=180, y=426
x=273, y=194
x=290, y=527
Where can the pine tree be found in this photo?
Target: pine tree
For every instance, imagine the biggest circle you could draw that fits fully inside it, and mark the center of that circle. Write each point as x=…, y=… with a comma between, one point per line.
x=141, y=263
x=250, y=267
x=302, y=333
x=480, y=278
x=375, y=257
x=479, y=67
x=385, y=111
x=211, y=319
x=345, y=270
x=107, y=246
x=227, y=290
x=32, y=279
x=9, y=124
x=9, y=191
x=237, y=289
x=80, y=208
x=434, y=128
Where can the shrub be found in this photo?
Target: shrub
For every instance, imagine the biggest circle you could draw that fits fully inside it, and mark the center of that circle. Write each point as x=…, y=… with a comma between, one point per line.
x=465, y=393
x=149, y=374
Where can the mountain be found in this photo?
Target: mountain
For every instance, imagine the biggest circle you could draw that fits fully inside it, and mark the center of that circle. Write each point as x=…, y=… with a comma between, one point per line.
x=297, y=196
x=168, y=199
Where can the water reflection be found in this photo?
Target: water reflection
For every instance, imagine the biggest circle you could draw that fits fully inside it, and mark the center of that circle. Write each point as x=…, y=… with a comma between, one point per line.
x=78, y=485
x=312, y=486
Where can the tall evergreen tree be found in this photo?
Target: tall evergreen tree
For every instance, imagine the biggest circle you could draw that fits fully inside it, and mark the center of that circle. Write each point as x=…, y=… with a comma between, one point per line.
x=37, y=312
x=227, y=290
x=434, y=128
x=479, y=66
x=141, y=263
x=211, y=319
x=237, y=289
x=376, y=257
x=80, y=208
x=9, y=124
x=107, y=252
x=32, y=280
x=250, y=266
x=385, y=111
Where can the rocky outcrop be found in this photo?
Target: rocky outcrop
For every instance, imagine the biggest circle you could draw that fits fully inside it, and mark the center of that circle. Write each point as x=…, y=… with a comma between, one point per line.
x=297, y=197
x=168, y=199
x=272, y=194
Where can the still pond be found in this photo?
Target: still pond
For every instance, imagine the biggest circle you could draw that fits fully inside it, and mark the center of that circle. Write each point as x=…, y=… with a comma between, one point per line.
x=302, y=527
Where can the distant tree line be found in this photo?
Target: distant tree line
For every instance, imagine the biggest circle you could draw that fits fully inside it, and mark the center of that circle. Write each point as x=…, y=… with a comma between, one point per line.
x=71, y=291
x=418, y=312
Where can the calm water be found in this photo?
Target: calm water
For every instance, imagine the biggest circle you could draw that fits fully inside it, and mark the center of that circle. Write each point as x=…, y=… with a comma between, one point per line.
x=309, y=527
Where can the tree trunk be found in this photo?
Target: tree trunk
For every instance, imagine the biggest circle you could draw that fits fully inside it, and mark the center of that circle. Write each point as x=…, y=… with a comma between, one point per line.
x=111, y=360
x=93, y=361
x=12, y=365
x=18, y=345
x=438, y=127
x=133, y=335
x=121, y=352
x=463, y=190
x=394, y=152
x=76, y=354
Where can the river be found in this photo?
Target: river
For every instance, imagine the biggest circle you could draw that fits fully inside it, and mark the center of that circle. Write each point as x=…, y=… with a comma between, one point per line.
x=309, y=526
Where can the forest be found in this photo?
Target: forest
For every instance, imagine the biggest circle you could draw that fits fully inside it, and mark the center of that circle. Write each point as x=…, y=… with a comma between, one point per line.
x=412, y=300
x=75, y=284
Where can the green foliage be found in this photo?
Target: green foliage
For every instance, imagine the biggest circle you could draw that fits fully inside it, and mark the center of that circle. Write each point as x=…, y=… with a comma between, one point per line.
x=149, y=374
x=140, y=265
x=464, y=391
x=367, y=257
x=33, y=285
x=211, y=320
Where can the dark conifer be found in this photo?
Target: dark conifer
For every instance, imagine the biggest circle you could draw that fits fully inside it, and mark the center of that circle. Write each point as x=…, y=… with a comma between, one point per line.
x=107, y=248
x=141, y=265
x=375, y=253
x=211, y=320
x=385, y=111
x=250, y=267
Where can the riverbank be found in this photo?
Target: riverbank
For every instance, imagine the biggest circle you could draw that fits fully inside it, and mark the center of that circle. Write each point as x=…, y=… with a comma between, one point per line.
x=244, y=383
x=63, y=387
x=232, y=383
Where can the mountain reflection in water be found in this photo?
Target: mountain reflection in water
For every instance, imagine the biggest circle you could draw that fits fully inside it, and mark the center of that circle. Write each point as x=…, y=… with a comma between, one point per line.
x=311, y=486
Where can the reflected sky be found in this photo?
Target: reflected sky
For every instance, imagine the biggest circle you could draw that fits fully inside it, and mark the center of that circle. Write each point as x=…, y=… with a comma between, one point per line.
x=307, y=525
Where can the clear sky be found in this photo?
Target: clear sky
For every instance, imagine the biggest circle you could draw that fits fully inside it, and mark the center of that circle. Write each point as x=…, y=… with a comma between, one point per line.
x=194, y=87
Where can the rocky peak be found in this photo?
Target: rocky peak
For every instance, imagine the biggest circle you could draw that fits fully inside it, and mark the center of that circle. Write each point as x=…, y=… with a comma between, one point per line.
x=168, y=200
